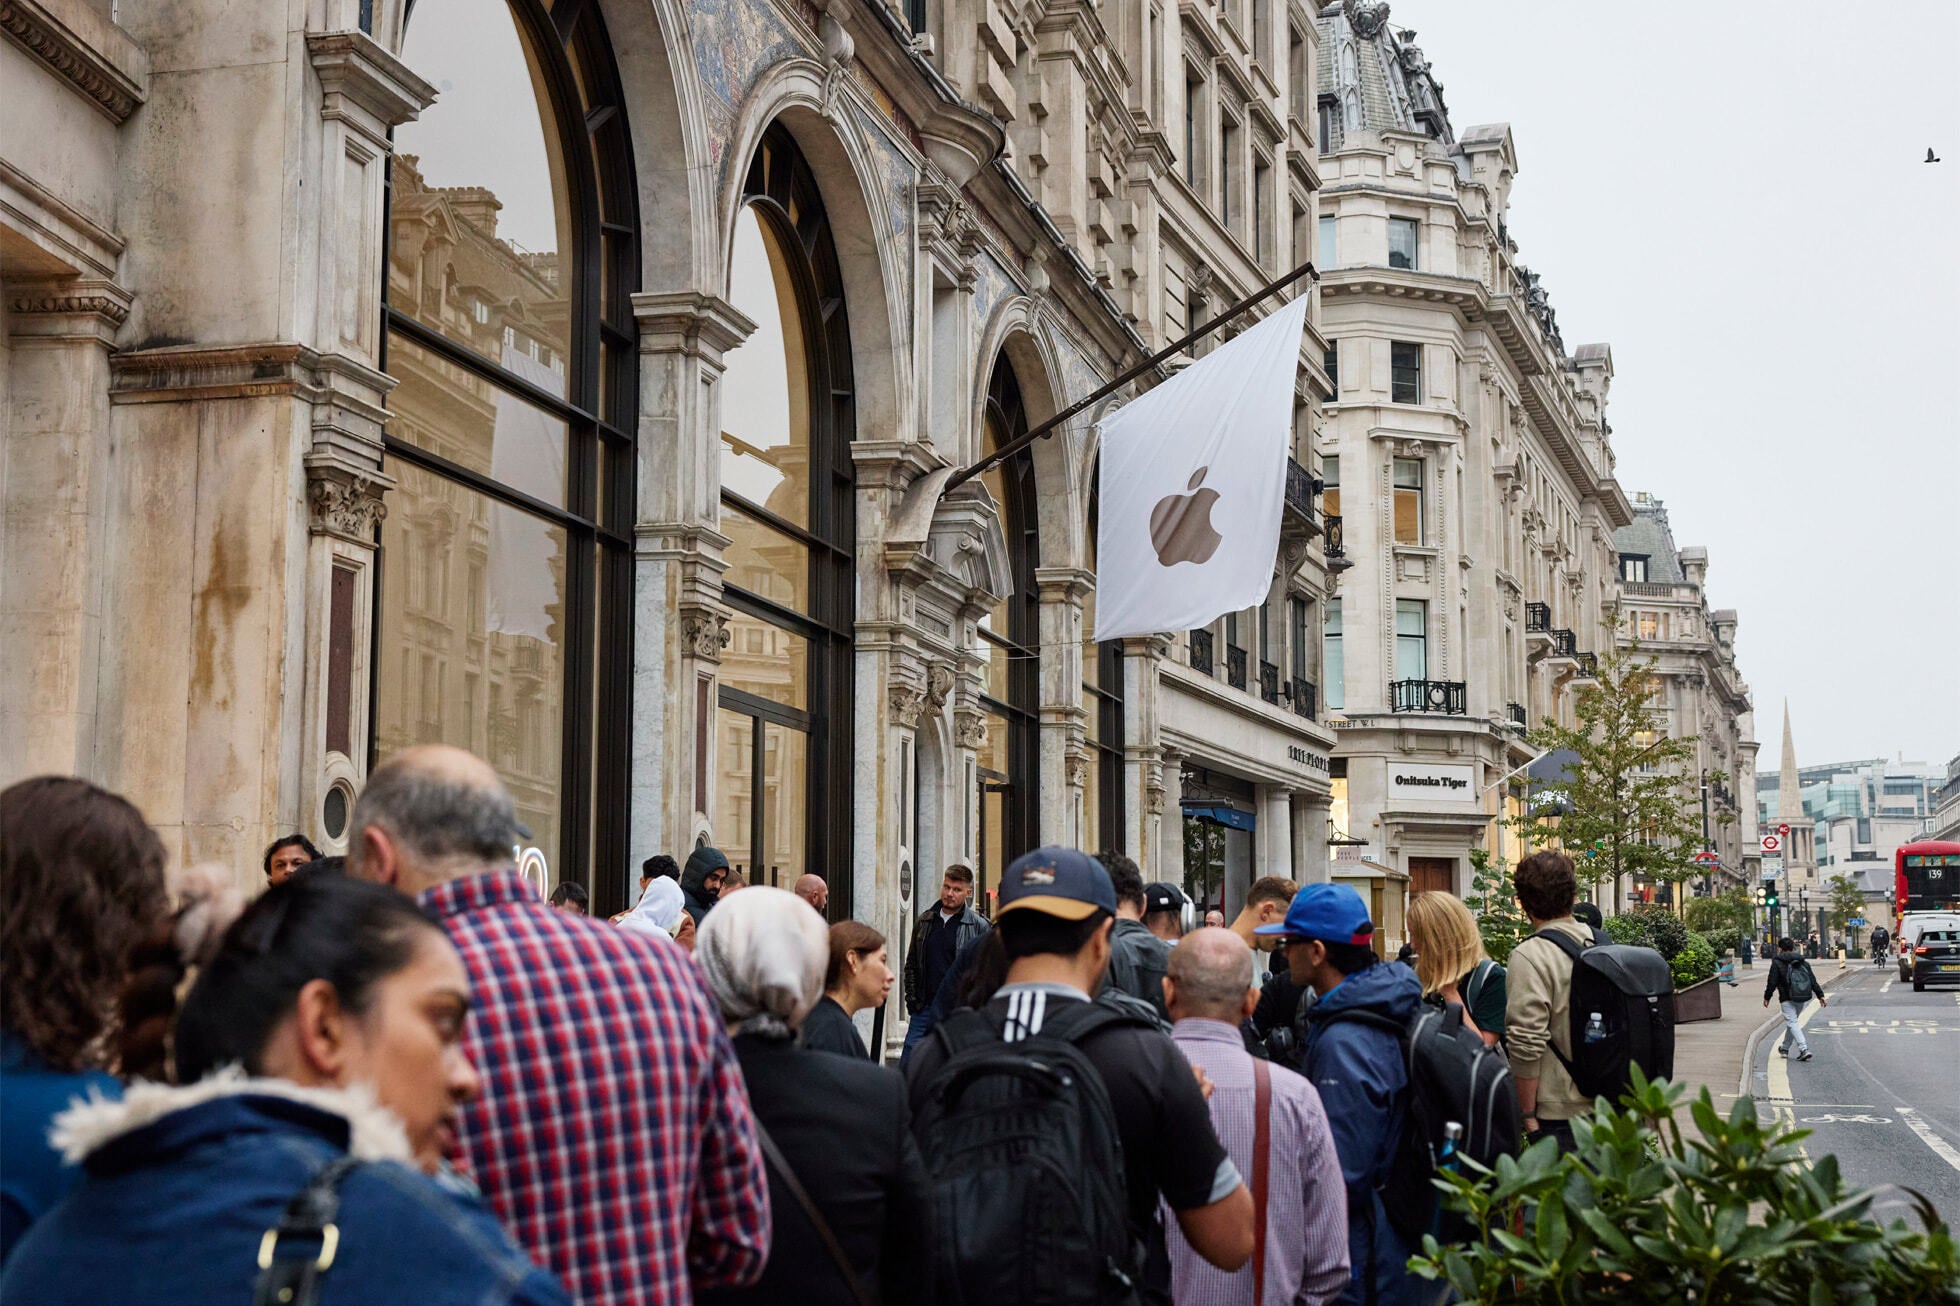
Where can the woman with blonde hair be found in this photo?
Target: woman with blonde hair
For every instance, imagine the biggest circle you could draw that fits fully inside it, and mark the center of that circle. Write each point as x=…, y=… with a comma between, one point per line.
x=1451, y=963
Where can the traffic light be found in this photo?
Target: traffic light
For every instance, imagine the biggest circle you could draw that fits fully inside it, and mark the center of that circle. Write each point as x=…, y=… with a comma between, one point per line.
x=1770, y=900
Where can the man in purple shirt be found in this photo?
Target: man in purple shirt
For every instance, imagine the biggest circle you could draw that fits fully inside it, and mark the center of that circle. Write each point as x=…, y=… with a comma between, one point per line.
x=1302, y=1257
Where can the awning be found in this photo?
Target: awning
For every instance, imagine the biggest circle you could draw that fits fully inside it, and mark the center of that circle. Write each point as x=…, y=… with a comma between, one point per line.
x=1553, y=767
x=1227, y=816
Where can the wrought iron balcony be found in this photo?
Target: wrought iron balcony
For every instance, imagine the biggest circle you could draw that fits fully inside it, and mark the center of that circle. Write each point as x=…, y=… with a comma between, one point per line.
x=1450, y=697
x=1298, y=516
x=1538, y=616
x=1302, y=693
x=1588, y=665
x=1565, y=644
x=1269, y=682
x=1201, y=652
x=1518, y=717
x=1333, y=545
x=1235, y=667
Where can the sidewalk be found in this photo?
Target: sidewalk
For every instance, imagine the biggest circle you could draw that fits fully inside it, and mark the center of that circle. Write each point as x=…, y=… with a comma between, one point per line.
x=1715, y=1054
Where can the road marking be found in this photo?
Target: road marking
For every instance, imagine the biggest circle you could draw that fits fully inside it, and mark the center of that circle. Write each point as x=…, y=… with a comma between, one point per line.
x=1779, y=1066
x=1886, y=987
x=1829, y=1119
x=1941, y=1148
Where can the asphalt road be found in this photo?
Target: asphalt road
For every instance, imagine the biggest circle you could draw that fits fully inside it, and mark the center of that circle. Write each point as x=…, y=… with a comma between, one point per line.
x=1882, y=1089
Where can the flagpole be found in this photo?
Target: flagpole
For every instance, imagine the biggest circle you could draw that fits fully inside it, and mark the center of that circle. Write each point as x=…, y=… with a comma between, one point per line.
x=1015, y=446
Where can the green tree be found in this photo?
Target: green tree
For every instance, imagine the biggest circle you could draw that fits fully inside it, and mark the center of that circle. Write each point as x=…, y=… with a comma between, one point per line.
x=1494, y=902
x=1731, y=908
x=1847, y=902
x=1630, y=804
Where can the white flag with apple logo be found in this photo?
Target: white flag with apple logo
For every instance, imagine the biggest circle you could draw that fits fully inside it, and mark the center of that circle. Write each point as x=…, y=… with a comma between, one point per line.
x=1193, y=483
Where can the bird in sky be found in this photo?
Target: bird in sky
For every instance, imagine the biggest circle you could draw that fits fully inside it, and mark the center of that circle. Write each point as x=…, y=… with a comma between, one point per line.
x=1930, y=156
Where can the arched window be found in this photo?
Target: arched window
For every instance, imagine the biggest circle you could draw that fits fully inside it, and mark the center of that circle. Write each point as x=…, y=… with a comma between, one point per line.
x=1010, y=639
x=1102, y=701
x=504, y=605
x=783, y=724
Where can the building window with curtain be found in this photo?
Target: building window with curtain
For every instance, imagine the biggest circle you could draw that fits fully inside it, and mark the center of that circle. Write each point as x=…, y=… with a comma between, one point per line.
x=1411, y=639
x=1333, y=668
x=1010, y=638
x=506, y=554
x=782, y=797
x=1408, y=500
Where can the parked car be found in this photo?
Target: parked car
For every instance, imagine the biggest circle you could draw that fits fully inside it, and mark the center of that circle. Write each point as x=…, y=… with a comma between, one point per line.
x=1912, y=925
x=1935, y=959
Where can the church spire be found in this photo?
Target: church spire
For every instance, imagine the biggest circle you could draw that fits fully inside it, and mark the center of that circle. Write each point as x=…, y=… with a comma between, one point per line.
x=1789, y=792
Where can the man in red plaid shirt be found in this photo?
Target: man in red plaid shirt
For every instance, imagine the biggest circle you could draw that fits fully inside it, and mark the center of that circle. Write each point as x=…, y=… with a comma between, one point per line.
x=613, y=1136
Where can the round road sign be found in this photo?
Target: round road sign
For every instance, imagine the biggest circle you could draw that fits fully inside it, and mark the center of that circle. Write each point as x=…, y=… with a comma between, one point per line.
x=1772, y=844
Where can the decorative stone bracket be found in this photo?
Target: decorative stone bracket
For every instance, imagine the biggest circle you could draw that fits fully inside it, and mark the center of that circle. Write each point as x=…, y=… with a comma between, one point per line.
x=344, y=502
x=704, y=634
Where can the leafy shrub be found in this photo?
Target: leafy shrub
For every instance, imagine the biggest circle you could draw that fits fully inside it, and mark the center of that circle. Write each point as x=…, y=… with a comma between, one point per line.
x=1709, y=914
x=1636, y=1214
x=1726, y=940
x=1650, y=926
x=1693, y=963
x=1493, y=901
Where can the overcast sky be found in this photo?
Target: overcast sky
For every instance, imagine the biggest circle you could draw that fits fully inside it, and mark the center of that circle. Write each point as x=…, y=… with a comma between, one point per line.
x=1733, y=195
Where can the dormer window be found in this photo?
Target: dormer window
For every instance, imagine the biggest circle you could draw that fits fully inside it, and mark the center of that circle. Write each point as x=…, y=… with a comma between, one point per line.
x=1633, y=567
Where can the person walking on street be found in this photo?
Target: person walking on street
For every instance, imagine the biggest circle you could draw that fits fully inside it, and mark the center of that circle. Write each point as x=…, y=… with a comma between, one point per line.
x=1538, y=1000
x=841, y=1128
x=1274, y=1128
x=856, y=977
x=1792, y=983
x=613, y=1137
x=703, y=880
x=941, y=933
x=1138, y=958
x=1360, y=1071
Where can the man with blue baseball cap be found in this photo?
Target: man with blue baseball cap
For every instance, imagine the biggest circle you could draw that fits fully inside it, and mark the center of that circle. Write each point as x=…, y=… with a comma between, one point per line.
x=1055, y=915
x=1354, y=1058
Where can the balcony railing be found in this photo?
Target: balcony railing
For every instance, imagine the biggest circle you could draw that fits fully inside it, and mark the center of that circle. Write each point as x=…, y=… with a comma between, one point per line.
x=1301, y=691
x=1333, y=545
x=1588, y=665
x=1518, y=717
x=1299, y=497
x=1538, y=616
x=1201, y=652
x=1450, y=697
x=1235, y=667
x=1565, y=644
x=1269, y=682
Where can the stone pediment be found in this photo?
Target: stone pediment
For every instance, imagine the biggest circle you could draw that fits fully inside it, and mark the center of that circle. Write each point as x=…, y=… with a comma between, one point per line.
x=951, y=540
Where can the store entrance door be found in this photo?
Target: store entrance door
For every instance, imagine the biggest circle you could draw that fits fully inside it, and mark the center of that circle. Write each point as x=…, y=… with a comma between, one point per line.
x=1426, y=873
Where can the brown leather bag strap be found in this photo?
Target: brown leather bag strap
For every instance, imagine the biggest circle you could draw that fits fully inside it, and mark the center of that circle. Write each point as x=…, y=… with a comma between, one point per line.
x=1262, y=1103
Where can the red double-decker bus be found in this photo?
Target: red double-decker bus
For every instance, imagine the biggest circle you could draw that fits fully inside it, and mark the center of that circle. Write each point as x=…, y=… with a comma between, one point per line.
x=1929, y=876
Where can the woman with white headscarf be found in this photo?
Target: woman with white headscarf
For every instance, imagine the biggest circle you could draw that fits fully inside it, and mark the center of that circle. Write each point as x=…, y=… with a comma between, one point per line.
x=660, y=911
x=842, y=1127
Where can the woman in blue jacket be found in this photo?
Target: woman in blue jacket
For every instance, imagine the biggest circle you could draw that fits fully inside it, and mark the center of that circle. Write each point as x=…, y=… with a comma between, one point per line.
x=326, y=1028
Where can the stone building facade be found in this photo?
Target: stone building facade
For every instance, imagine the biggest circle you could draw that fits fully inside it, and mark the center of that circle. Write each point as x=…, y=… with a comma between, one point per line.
x=1665, y=619
x=1468, y=466
x=580, y=383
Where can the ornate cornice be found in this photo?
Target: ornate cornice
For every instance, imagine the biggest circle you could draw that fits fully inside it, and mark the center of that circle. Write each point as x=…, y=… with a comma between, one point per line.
x=115, y=86
x=180, y=372
x=358, y=75
x=100, y=299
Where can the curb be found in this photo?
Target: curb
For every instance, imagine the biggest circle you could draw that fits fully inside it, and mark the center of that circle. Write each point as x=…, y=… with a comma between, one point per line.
x=1770, y=1022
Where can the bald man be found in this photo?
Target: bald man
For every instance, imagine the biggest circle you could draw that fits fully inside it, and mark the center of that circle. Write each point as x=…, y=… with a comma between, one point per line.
x=436, y=822
x=1304, y=1254
x=811, y=889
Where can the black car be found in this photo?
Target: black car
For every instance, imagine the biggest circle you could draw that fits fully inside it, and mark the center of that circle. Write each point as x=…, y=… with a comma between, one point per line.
x=1936, y=959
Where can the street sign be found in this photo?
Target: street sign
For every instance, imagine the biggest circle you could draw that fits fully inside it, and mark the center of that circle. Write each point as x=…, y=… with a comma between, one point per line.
x=1772, y=867
x=1773, y=843
x=1784, y=829
x=1706, y=858
x=1856, y=920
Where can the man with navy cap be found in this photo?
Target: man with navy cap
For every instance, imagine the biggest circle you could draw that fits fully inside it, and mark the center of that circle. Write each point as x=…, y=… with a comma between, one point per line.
x=1057, y=910
x=1354, y=1058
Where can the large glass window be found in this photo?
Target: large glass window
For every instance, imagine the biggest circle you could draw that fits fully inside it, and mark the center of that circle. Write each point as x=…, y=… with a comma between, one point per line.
x=1333, y=667
x=1010, y=638
x=1408, y=501
x=1411, y=639
x=782, y=803
x=503, y=608
x=1402, y=235
x=1329, y=253
x=1330, y=478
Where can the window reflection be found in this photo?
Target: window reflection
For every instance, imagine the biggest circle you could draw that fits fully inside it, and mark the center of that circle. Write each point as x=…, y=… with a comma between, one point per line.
x=765, y=660
x=472, y=635
x=459, y=415
x=765, y=392
x=477, y=214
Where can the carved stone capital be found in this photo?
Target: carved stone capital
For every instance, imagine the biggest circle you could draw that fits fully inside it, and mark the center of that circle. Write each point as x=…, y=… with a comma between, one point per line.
x=346, y=503
x=704, y=634
x=939, y=684
x=907, y=702
x=364, y=86
x=1154, y=797
x=970, y=729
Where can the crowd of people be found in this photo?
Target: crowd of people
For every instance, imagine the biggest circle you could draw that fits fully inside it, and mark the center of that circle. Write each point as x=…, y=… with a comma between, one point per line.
x=409, y=1075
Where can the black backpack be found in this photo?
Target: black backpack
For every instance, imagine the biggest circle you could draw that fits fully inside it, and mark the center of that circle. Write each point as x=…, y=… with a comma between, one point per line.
x=1799, y=981
x=1454, y=1077
x=1026, y=1165
x=1631, y=990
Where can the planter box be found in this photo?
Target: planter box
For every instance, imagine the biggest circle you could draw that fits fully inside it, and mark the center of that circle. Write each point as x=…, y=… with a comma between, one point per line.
x=1701, y=1000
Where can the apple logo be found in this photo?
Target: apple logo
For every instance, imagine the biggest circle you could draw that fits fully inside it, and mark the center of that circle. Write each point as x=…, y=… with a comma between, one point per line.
x=1180, y=525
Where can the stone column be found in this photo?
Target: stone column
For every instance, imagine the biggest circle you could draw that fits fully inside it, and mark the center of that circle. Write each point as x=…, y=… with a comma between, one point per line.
x=679, y=623
x=1275, y=856
x=1167, y=844
x=1144, y=780
x=1062, y=590
x=1310, y=838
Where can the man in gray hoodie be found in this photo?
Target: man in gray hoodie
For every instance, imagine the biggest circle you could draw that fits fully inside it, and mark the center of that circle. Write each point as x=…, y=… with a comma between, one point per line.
x=701, y=880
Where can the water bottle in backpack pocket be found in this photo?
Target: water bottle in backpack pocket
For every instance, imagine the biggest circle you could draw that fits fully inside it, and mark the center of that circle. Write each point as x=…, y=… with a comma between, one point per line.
x=1622, y=1015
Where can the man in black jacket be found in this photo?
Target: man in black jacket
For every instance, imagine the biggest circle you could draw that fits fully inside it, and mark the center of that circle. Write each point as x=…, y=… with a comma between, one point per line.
x=1138, y=959
x=938, y=936
x=1793, y=983
x=701, y=881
